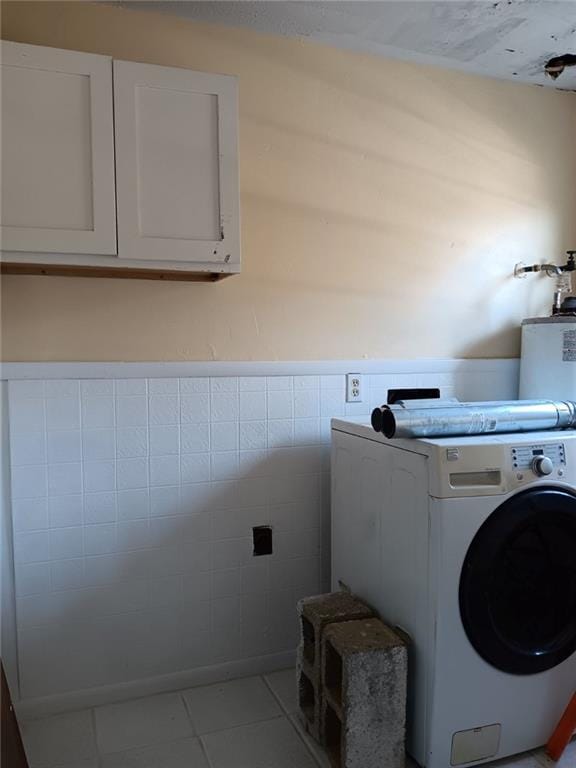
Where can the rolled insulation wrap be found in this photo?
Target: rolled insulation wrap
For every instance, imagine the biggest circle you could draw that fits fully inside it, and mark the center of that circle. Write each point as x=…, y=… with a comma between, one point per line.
x=400, y=421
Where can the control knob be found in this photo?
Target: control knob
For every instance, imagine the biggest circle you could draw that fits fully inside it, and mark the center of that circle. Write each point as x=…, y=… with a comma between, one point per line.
x=542, y=465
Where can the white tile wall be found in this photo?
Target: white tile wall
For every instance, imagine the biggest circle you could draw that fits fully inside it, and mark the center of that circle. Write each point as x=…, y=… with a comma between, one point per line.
x=133, y=506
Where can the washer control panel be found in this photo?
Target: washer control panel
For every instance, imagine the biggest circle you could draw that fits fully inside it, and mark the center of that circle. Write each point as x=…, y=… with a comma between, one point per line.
x=542, y=460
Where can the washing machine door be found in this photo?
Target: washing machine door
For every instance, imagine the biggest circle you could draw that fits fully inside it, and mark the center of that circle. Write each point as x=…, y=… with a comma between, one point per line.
x=518, y=583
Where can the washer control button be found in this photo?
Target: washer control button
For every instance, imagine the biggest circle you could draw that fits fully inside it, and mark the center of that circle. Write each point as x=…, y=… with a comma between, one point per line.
x=542, y=465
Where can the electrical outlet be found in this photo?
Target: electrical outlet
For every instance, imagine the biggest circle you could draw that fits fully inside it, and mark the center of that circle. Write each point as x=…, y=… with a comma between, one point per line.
x=354, y=386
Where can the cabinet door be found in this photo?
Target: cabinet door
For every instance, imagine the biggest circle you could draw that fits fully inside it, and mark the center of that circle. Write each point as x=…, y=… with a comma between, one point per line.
x=176, y=164
x=57, y=151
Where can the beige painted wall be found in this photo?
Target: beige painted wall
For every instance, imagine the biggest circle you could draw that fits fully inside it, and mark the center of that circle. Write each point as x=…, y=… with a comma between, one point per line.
x=384, y=206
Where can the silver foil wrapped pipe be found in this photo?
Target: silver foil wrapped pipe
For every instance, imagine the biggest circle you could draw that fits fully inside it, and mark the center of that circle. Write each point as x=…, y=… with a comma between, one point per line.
x=402, y=420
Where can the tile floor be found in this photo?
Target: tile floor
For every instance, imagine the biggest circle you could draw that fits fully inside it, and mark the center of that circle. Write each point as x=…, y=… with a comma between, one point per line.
x=248, y=723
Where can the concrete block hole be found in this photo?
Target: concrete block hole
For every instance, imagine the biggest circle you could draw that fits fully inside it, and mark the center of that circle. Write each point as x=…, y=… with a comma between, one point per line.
x=333, y=673
x=333, y=737
x=308, y=640
x=307, y=697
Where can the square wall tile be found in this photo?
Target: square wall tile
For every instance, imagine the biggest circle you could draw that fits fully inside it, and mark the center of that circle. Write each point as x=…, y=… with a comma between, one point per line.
x=307, y=432
x=65, y=445
x=224, y=465
x=34, y=611
x=99, y=476
x=224, y=384
x=133, y=504
x=26, y=389
x=333, y=381
x=100, y=507
x=194, y=408
x=197, y=497
x=194, y=438
x=64, y=478
x=32, y=579
x=195, y=467
x=306, y=403
x=29, y=514
x=253, y=435
x=164, y=440
x=224, y=436
x=252, y=383
x=66, y=543
x=306, y=382
x=63, y=413
x=130, y=386
x=165, y=501
x=131, y=473
x=98, y=444
x=28, y=448
x=163, y=386
x=131, y=411
x=65, y=511
x=252, y=406
x=67, y=574
x=29, y=482
x=276, y=383
x=280, y=433
x=224, y=406
x=194, y=385
x=133, y=535
x=164, y=470
x=332, y=403
x=27, y=414
x=32, y=547
x=253, y=463
x=91, y=387
x=97, y=412
x=226, y=583
x=164, y=409
x=280, y=405
x=100, y=539
x=132, y=442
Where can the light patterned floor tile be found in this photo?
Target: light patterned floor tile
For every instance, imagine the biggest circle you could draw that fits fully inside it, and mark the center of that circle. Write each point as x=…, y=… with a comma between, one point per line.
x=283, y=683
x=271, y=744
x=525, y=760
x=82, y=764
x=67, y=738
x=226, y=705
x=187, y=753
x=568, y=759
x=317, y=751
x=141, y=722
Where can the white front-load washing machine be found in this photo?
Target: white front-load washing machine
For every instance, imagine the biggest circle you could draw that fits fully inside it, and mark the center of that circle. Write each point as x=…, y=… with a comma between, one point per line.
x=469, y=545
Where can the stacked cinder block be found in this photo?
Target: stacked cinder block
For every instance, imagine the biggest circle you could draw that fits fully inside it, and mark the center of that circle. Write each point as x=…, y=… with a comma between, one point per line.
x=315, y=614
x=363, y=715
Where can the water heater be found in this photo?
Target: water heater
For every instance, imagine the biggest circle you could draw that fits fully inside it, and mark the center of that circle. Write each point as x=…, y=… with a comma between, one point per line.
x=548, y=365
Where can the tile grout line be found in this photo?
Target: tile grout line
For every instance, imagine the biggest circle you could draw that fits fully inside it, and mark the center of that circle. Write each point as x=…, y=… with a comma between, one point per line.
x=288, y=715
x=187, y=710
x=195, y=733
x=95, y=732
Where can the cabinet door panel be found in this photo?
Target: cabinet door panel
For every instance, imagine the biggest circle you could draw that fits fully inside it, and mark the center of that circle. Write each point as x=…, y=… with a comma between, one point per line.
x=177, y=165
x=57, y=151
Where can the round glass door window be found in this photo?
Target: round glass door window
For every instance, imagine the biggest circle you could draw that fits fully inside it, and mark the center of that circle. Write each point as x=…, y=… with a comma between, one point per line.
x=518, y=583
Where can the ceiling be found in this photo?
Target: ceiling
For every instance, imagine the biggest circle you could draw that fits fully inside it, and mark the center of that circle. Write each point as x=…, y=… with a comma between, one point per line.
x=510, y=39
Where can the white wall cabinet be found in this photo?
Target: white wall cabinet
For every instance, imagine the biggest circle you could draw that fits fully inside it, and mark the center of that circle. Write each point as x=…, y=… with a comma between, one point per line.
x=177, y=165
x=57, y=151
x=89, y=145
